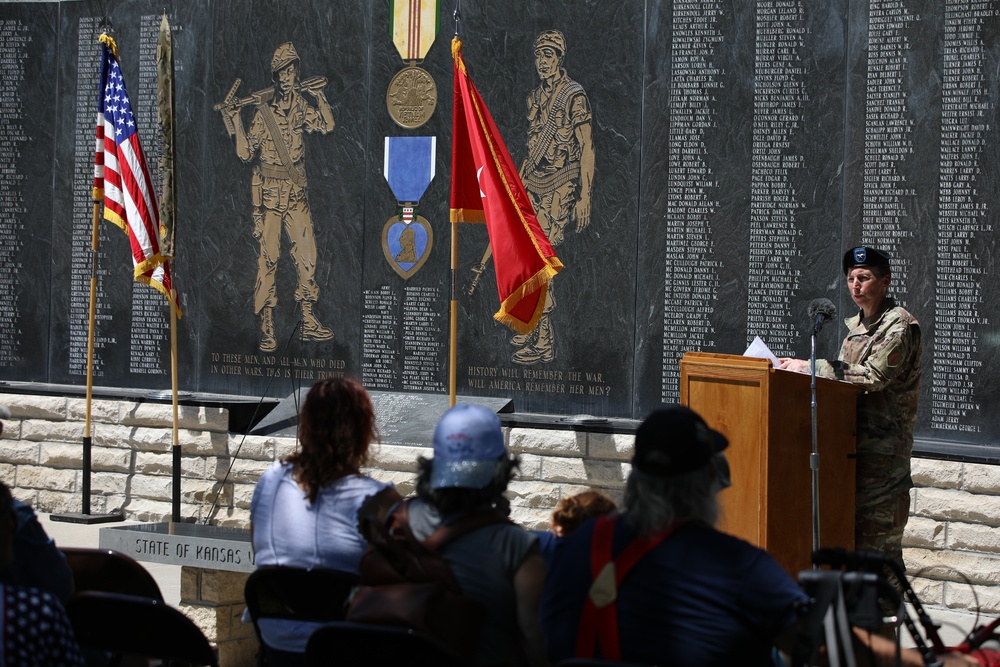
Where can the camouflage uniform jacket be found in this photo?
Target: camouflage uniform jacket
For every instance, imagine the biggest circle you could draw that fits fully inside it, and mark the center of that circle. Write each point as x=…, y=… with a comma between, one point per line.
x=554, y=113
x=290, y=123
x=883, y=359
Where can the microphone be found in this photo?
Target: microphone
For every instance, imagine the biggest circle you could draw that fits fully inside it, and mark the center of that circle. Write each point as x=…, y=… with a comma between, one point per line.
x=820, y=312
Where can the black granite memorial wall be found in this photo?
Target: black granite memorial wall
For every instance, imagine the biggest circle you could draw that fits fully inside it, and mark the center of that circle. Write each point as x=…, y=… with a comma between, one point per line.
x=720, y=156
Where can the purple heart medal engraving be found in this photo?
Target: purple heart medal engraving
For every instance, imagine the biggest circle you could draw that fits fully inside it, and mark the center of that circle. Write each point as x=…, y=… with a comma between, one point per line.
x=407, y=238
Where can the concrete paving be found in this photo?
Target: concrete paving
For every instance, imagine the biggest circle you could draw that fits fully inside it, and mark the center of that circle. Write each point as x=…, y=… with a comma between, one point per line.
x=65, y=534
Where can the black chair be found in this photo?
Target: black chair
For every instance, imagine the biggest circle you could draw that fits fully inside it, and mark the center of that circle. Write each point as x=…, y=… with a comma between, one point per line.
x=355, y=644
x=111, y=572
x=316, y=596
x=127, y=626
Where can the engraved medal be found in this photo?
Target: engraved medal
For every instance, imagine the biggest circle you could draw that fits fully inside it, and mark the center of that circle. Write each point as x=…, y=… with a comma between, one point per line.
x=411, y=97
x=412, y=93
x=407, y=238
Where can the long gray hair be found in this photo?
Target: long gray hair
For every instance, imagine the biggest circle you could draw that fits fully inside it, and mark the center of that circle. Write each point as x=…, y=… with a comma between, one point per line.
x=654, y=502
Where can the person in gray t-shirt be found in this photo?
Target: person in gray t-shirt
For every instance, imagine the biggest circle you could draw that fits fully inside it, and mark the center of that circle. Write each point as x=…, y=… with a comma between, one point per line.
x=498, y=564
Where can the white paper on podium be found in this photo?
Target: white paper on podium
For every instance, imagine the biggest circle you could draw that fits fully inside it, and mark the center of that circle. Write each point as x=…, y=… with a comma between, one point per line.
x=759, y=349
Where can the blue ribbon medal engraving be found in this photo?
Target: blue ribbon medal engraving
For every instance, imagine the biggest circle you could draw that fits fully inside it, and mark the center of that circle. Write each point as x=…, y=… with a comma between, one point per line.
x=407, y=238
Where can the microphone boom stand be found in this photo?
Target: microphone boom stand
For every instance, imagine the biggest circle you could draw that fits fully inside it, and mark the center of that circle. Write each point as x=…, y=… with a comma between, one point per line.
x=814, y=457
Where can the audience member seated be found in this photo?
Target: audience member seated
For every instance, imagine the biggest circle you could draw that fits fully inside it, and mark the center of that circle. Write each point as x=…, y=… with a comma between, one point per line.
x=34, y=626
x=570, y=514
x=36, y=561
x=498, y=563
x=304, y=509
x=679, y=592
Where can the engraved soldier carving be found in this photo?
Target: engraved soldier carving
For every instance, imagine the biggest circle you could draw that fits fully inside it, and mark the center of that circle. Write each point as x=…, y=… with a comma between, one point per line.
x=558, y=172
x=279, y=187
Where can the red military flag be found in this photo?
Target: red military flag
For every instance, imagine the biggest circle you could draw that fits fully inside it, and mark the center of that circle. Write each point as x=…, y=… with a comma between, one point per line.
x=121, y=177
x=485, y=187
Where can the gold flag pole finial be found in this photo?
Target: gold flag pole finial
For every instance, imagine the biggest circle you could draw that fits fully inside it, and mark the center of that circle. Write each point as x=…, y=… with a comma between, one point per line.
x=456, y=54
x=109, y=41
x=456, y=43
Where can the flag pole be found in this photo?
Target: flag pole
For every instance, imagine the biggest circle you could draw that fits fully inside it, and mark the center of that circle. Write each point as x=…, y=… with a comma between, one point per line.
x=453, y=333
x=97, y=195
x=453, y=325
x=176, y=480
x=85, y=457
x=167, y=213
x=85, y=463
x=95, y=240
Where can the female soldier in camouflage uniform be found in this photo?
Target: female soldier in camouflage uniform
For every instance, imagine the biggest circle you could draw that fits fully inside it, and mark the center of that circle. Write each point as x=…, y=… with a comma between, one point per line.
x=881, y=354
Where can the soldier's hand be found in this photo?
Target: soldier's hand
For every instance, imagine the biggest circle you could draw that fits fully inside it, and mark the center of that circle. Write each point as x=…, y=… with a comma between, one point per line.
x=795, y=365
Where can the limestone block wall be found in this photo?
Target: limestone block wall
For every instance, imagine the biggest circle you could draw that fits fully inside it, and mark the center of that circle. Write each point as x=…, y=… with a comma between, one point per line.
x=214, y=601
x=131, y=461
x=952, y=547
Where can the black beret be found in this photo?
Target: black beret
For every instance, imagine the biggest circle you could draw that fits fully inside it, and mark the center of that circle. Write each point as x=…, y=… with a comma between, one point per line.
x=864, y=256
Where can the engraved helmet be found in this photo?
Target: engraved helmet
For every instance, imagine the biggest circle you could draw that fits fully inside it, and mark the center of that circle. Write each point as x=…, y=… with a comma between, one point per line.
x=552, y=38
x=284, y=55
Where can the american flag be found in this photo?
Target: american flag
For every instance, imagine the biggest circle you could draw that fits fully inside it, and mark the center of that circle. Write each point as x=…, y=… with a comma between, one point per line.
x=121, y=178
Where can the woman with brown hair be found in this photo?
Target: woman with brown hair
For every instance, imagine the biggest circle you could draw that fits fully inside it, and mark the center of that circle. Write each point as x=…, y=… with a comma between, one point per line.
x=305, y=507
x=571, y=513
x=574, y=511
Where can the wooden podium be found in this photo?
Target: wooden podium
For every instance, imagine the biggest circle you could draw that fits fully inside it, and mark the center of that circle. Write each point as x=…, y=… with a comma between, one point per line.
x=766, y=414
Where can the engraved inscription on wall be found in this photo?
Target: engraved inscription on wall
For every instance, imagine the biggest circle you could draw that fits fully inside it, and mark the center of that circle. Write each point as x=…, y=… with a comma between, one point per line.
x=149, y=351
x=380, y=327
x=963, y=220
x=778, y=99
x=888, y=144
x=88, y=68
x=424, y=324
x=13, y=141
x=691, y=274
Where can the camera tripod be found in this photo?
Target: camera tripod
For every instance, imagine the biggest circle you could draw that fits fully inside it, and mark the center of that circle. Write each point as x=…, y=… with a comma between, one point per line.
x=853, y=589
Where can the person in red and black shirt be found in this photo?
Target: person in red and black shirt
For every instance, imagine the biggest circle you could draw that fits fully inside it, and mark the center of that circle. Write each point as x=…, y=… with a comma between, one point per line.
x=681, y=592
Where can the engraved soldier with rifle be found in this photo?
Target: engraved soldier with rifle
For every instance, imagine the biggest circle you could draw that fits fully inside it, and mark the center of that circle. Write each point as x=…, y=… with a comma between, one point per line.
x=558, y=173
x=279, y=185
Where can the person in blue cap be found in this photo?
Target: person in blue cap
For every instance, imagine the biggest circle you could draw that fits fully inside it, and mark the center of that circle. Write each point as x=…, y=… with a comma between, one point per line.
x=498, y=563
x=881, y=355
